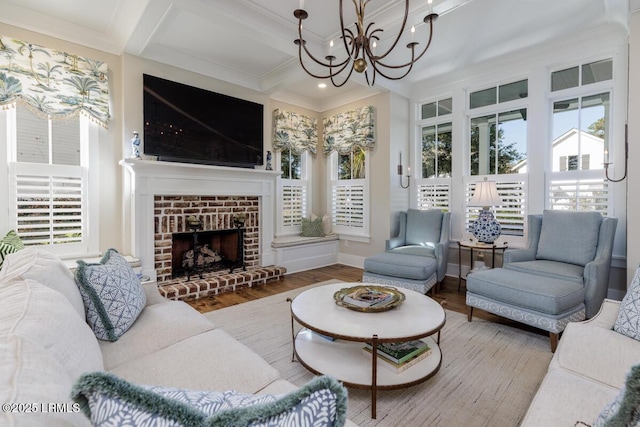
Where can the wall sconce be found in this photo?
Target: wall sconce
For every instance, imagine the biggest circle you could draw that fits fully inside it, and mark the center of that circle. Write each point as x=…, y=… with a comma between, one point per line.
x=408, y=173
x=626, y=157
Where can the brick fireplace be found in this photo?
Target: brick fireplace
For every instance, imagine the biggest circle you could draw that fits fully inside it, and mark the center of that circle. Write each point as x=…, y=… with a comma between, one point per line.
x=164, y=194
x=215, y=212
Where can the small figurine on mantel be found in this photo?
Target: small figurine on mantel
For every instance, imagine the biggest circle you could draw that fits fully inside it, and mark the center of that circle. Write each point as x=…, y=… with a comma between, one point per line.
x=135, y=146
x=269, y=168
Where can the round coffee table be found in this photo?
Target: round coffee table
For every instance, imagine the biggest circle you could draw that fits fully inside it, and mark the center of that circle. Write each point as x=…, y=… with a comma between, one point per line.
x=331, y=342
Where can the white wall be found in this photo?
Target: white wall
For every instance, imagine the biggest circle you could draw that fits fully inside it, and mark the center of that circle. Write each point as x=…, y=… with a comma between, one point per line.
x=633, y=179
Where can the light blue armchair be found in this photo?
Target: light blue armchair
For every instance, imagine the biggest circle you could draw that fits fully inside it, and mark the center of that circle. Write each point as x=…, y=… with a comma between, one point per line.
x=417, y=257
x=561, y=276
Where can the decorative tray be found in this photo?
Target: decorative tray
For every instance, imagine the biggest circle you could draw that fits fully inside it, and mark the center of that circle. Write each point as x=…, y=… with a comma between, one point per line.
x=369, y=298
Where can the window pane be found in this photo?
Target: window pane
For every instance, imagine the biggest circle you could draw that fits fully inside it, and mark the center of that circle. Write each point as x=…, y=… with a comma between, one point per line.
x=593, y=140
x=445, y=106
x=512, y=142
x=32, y=137
x=65, y=137
x=285, y=164
x=344, y=166
x=597, y=72
x=483, y=139
x=483, y=97
x=444, y=150
x=429, y=110
x=296, y=165
x=429, y=152
x=358, y=163
x=564, y=79
x=580, y=133
x=512, y=91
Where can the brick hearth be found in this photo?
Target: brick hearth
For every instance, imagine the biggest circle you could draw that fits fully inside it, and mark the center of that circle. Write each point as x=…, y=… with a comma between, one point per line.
x=216, y=283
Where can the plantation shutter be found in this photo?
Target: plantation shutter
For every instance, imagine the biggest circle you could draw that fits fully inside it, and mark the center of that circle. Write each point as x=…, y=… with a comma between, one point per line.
x=579, y=195
x=294, y=204
x=348, y=204
x=434, y=196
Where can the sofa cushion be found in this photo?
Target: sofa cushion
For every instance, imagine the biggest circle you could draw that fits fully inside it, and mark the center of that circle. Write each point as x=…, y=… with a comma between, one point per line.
x=107, y=398
x=401, y=265
x=569, y=236
x=45, y=268
x=624, y=409
x=158, y=326
x=538, y=293
x=31, y=377
x=183, y=363
x=615, y=353
x=33, y=311
x=423, y=227
x=628, y=321
x=10, y=244
x=112, y=294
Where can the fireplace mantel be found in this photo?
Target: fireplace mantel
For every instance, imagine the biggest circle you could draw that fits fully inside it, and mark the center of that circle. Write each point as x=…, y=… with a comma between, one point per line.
x=148, y=178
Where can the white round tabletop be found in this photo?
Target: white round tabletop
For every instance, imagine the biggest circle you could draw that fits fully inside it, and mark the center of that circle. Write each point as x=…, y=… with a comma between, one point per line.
x=417, y=316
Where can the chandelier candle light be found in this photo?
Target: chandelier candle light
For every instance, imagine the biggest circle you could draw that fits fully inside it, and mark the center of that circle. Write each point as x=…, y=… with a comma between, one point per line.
x=486, y=229
x=360, y=47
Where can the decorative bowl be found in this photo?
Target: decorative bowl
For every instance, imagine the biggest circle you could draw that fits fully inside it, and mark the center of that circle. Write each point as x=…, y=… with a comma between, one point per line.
x=369, y=298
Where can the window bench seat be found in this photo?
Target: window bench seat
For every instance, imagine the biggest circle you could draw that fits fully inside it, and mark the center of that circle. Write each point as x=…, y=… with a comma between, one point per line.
x=297, y=253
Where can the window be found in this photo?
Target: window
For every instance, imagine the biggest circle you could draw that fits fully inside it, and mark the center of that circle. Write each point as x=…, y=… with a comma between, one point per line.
x=293, y=191
x=434, y=181
x=49, y=181
x=580, y=137
x=349, y=193
x=498, y=147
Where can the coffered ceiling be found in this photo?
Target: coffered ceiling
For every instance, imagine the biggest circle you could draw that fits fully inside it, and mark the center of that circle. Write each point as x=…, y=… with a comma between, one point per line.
x=250, y=42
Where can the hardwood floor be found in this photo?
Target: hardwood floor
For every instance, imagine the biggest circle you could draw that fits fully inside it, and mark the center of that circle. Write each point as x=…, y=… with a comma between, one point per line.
x=448, y=290
x=455, y=300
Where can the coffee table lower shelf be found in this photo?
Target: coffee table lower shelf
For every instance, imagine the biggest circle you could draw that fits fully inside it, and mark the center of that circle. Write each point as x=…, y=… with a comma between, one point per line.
x=346, y=362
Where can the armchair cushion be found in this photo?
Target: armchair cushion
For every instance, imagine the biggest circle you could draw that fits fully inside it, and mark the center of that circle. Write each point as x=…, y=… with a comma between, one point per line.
x=401, y=265
x=541, y=294
x=415, y=250
x=558, y=270
x=569, y=236
x=423, y=227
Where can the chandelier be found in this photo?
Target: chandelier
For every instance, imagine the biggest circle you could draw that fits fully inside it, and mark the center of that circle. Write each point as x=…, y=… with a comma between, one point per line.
x=360, y=47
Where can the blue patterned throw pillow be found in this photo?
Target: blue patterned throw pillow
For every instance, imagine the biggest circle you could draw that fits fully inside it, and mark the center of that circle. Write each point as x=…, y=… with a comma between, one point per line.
x=628, y=321
x=109, y=400
x=112, y=294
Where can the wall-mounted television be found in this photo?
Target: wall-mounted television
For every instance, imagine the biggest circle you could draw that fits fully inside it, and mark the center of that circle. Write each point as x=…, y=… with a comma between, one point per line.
x=187, y=124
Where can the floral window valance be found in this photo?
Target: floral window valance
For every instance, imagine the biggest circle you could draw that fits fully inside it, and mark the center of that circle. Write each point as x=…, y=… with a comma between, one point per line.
x=51, y=82
x=350, y=130
x=295, y=132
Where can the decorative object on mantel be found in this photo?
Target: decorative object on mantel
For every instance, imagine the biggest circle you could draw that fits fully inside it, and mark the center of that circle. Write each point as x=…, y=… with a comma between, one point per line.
x=194, y=223
x=269, y=168
x=345, y=132
x=486, y=229
x=135, y=145
x=294, y=132
x=53, y=83
x=360, y=47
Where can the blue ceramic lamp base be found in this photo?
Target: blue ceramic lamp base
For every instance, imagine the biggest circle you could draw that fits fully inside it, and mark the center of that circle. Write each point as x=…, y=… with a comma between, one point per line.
x=486, y=229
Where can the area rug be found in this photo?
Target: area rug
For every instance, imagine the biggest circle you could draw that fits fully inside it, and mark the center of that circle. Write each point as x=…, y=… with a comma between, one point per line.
x=488, y=376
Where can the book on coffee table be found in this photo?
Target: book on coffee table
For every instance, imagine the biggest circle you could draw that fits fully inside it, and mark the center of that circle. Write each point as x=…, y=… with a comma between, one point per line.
x=398, y=367
x=399, y=352
x=368, y=298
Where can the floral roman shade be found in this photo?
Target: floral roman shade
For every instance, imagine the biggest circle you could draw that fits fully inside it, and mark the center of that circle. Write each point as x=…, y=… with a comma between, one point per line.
x=51, y=82
x=347, y=131
x=295, y=132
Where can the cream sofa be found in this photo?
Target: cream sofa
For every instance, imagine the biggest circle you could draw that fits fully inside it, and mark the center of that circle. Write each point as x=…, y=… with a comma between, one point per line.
x=46, y=344
x=586, y=372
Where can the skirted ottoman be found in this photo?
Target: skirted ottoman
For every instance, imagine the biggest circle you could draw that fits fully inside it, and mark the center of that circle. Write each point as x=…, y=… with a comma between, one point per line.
x=546, y=303
x=414, y=272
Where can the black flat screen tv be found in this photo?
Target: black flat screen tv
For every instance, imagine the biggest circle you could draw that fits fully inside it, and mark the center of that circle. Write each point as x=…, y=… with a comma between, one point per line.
x=187, y=124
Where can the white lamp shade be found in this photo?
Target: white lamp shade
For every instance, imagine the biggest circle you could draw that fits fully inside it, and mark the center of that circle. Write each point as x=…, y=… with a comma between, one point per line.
x=486, y=194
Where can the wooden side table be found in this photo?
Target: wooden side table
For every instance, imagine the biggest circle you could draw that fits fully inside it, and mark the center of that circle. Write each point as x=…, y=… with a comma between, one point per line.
x=480, y=247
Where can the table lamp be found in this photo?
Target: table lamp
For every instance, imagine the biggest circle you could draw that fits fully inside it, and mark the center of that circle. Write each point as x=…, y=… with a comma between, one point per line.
x=486, y=229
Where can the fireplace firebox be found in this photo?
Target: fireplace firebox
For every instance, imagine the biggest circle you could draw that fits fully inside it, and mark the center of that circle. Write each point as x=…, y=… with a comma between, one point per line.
x=199, y=252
